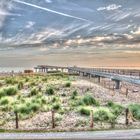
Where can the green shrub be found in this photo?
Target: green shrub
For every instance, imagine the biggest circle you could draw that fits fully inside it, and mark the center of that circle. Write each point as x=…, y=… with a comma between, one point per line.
x=4, y=101
x=45, y=79
x=110, y=104
x=27, y=108
x=5, y=107
x=50, y=91
x=33, y=92
x=74, y=94
x=63, y=94
x=10, y=81
x=39, y=100
x=34, y=107
x=54, y=99
x=116, y=109
x=20, y=85
x=68, y=84
x=9, y=91
x=84, y=111
x=56, y=106
x=24, y=109
x=135, y=109
x=43, y=101
x=2, y=93
x=26, y=79
x=32, y=83
x=89, y=100
x=103, y=115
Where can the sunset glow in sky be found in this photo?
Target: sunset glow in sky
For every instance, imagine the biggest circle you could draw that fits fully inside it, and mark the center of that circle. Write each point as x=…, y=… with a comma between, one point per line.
x=70, y=32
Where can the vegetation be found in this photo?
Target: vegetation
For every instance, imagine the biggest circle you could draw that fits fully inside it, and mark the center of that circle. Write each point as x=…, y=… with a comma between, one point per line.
x=68, y=84
x=32, y=95
x=20, y=85
x=135, y=109
x=89, y=100
x=50, y=91
x=74, y=94
x=4, y=101
x=56, y=106
x=84, y=111
x=103, y=115
x=8, y=91
x=116, y=109
x=33, y=92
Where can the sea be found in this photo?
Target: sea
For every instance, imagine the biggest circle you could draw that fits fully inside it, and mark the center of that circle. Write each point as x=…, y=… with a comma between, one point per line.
x=14, y=69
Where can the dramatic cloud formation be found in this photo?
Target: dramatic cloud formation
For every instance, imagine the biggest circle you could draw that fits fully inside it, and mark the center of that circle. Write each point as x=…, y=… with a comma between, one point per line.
x=109, y=7
x=81, y=32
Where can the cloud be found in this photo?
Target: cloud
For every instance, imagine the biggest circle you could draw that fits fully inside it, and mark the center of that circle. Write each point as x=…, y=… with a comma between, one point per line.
x=5, y=7
x=136, y=32
x=30, y=24
x=109, y=7
x=48, y=1
x=119, y=15
x=49, y=10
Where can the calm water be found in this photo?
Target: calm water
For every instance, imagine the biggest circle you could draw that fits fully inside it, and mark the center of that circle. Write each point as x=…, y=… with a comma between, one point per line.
x=21, y=69
x=15, y=69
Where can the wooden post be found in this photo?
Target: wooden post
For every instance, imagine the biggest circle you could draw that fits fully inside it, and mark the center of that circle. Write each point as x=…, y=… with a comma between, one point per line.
x=16, y=114
x=53, y=121
x=126, y=116
x=113, y=86
x=126, y=92
x=92, y=121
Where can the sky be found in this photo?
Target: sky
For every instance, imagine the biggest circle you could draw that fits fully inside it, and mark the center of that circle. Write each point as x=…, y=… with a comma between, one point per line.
x=69, y=32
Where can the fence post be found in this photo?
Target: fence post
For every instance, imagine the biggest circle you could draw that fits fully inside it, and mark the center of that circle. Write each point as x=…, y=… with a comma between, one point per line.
x=92, y=120
x=126, y=92
x=126, y=116
x=16, y=114
x=53, y=121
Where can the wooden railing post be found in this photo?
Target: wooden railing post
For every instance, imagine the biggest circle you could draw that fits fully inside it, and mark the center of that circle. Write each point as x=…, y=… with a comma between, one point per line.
x=16, y=115
x=126, y=92
x=92, y=120
x=53, y=120
x=126, y=116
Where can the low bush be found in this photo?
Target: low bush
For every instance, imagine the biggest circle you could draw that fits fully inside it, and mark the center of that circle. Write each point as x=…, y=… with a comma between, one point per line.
x=50, y=91
x=27, y=108
x=45, y=79
x=9, y=91
x=56, y=106
x=110, y=104
x=116, y=109
x=32, y=84
x=33, y=92
x=34, y=107
x=63, y=94
x=103, y=115
x=74, y=94
x=20, y=85
x=84, y=111
x=10, y=81
x=4, y=101
x=2, y=93
x=26, y=79
x=135, y=109
x=54, y=99
x=89, y=100
x=68, y=84
x=23, y=109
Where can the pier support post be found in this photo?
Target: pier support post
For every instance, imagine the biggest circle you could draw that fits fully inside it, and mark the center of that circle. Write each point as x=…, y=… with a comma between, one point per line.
x=117, y=84
x=99, y=79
